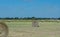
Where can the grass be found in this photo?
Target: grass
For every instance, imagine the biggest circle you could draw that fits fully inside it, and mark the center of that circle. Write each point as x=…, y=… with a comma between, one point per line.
x=25, y=29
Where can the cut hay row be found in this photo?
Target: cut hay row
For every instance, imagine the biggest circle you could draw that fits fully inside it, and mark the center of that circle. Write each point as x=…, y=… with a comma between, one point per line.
x=29, y=20
x=3, y=29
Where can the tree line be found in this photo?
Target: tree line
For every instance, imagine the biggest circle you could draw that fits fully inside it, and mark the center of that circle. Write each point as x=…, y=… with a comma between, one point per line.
x=30, y=18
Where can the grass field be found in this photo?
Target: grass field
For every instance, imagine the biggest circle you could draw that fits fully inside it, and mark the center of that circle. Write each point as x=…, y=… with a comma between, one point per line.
x=25, y=29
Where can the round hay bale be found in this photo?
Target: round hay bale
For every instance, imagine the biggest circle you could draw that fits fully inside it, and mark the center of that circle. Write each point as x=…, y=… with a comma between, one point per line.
x=3, y=30
x=35, y=23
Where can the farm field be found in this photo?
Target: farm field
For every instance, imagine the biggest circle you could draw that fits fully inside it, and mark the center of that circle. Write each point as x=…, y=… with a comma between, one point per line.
x=25, y=29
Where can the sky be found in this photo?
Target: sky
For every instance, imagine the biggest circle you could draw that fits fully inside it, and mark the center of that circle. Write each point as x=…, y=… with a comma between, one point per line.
x=30, y=8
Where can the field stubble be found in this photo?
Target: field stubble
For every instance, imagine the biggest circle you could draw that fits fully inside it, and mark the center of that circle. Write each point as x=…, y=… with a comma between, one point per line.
x=25, y=29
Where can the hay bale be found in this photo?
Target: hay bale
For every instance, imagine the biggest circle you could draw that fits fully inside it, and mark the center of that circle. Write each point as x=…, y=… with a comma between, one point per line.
x=3, y=30
x=35, y=23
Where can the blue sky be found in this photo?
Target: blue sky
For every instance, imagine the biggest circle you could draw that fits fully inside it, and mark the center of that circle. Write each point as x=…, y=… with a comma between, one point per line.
x=29, y=8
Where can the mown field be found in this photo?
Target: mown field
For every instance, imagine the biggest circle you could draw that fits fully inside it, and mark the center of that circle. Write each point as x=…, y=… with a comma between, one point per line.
x=25, y=29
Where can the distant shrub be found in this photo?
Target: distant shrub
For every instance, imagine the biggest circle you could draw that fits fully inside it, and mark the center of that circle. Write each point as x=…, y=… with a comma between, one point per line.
x=35, y=23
